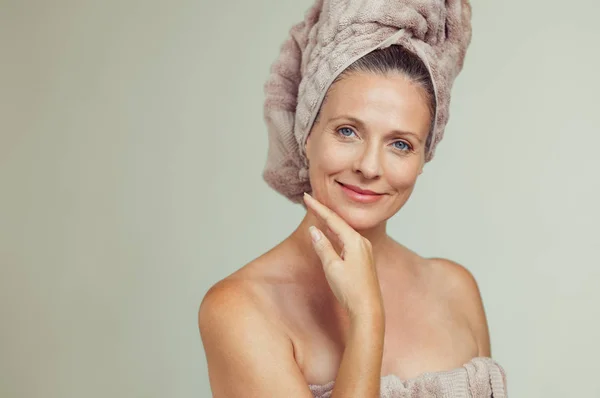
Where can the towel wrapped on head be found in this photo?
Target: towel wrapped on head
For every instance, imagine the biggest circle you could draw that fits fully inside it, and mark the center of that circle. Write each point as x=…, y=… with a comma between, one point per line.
x=334, y=34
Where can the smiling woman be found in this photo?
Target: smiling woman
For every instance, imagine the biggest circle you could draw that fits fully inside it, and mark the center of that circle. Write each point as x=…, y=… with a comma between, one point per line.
x=339, y=308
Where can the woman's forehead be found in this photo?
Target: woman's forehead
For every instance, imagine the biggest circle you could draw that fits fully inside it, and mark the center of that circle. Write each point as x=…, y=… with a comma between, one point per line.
x=376, y=99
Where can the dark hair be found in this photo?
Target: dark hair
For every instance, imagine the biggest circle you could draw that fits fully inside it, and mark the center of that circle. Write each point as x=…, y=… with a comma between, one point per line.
x=395, y=59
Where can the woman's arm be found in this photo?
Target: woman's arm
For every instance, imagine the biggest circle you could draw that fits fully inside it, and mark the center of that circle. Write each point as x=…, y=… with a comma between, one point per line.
x=359, y=374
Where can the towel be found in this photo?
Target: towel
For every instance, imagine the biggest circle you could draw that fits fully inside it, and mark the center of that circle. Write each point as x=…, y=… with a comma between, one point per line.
x=481, y=377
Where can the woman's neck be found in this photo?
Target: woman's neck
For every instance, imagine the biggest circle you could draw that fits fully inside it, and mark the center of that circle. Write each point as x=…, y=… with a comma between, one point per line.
x=301, y=238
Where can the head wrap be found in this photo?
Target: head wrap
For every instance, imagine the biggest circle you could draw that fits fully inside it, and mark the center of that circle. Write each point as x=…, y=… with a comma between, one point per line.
x=334, y=34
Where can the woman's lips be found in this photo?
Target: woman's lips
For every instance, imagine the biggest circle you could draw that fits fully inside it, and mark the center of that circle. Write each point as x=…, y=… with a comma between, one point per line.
x=360, y=195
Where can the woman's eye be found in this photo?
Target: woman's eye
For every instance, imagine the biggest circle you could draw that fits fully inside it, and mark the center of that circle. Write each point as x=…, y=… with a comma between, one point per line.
x=346, y=131
x=403, y=145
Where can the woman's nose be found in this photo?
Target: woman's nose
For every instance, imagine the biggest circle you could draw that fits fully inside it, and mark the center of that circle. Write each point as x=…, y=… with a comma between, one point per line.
x=368, y=162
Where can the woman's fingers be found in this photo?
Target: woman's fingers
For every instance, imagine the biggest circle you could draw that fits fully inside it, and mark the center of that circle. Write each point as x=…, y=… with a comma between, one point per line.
x=335, y=223
x=351, y=275
x=323, y=247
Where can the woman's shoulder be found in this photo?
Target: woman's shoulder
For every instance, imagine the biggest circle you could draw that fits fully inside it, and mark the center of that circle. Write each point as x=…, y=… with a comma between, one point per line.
x=453, y=280
x=258, y=286
x=455, y=286
x=450, y=281
x=458, y=287
x=446, y=277
x=244, y=288
x=238, y=302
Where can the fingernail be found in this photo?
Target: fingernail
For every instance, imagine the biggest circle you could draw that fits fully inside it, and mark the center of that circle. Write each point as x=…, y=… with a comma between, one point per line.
x=314, y=233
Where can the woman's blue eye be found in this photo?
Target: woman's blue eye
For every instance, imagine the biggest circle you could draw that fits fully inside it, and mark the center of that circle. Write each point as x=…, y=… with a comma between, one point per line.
x=346, y=131
x=405, y=148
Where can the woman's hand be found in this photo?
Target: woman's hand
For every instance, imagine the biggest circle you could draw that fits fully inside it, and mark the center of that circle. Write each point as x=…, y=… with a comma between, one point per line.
x=352, y=275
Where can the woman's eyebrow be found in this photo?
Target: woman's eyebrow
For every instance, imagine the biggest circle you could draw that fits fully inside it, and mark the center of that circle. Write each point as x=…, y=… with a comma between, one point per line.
x=362, y=126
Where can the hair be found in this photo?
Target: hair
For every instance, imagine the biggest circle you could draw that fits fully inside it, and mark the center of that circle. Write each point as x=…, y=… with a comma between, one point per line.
x=395, y=59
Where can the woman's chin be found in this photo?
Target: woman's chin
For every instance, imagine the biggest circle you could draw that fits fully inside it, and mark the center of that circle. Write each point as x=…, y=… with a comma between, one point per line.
x=360, y=219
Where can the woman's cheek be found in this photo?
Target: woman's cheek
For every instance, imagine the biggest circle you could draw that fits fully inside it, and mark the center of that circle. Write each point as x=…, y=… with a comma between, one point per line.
x=335, y=157
x=401, y=174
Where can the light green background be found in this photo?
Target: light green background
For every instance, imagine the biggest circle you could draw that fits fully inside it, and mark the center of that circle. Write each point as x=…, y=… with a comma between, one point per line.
x=131, y=150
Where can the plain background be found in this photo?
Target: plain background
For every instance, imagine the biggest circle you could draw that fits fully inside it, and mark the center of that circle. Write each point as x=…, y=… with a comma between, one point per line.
x=131, y=150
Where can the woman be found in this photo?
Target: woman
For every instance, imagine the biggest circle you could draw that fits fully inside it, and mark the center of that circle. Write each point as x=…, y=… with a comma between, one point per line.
x=356, y=103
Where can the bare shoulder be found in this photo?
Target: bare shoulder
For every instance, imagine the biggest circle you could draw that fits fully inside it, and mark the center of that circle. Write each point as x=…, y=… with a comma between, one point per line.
x=246, y=350
x=236, y=302
x=228, y=305
x=228, y=298
x=458, y=286
x=457, y=281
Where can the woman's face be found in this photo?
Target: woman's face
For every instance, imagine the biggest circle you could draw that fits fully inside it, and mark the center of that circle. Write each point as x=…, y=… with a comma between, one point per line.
x=371, y=135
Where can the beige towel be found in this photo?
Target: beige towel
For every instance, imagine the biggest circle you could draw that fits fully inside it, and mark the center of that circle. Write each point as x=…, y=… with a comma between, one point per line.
x=481, y=377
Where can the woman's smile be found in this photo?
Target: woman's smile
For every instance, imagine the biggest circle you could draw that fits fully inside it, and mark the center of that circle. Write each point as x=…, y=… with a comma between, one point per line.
x=359, y=195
